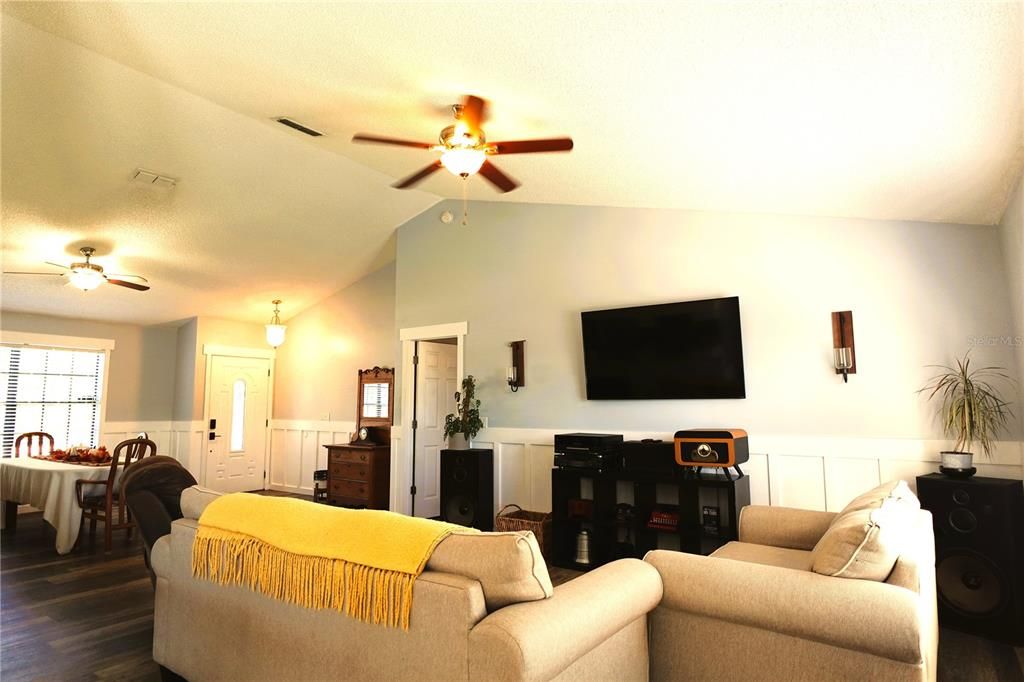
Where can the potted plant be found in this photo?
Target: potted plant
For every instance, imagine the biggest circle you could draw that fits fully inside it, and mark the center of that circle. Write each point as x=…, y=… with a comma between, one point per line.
x=462, y=427
x=971, y=411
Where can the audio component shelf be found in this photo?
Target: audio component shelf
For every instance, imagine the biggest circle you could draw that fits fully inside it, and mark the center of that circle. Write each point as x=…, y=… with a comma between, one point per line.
x=629, y=514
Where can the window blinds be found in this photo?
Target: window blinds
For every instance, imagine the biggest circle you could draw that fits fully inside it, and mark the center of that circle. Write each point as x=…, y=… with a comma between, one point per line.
x=53, y=390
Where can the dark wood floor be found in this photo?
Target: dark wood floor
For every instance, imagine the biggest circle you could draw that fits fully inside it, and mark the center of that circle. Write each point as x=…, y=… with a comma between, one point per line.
x=89, y=616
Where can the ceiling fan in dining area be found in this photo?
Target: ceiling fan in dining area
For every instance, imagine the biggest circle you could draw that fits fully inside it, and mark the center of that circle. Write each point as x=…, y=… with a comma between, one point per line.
x=87, y=275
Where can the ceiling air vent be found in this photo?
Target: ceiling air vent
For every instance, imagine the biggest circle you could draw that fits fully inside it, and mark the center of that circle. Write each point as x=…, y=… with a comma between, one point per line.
x=294, y=125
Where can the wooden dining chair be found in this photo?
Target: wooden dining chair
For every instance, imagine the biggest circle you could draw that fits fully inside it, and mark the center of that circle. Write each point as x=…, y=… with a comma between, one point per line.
x=30, y=439
x=98, y=505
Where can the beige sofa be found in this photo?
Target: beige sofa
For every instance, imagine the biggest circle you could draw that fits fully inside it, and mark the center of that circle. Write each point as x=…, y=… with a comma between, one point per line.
x=463, y=626
x=754, y=610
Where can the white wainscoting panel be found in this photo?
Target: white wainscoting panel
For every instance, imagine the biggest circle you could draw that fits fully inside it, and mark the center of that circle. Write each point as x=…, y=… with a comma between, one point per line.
x=182, y=440
x=513, y=474
x=793, y=471
x=297, y=450
x=757, y=469
x=846, y=478
x=797, y=481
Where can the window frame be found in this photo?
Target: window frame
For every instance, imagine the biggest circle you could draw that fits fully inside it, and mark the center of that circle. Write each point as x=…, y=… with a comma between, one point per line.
x=60, y=342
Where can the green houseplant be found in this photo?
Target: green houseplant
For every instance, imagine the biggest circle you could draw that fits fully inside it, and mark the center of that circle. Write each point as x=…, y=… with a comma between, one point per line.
x=460, y=428
x=971, y=410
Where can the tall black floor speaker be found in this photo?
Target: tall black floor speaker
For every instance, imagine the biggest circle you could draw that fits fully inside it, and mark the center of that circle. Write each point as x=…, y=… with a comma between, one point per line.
x=979, y=547
x=467, y=487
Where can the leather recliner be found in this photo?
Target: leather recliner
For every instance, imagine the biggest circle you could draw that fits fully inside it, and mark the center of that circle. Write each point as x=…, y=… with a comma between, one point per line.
x=152, y=490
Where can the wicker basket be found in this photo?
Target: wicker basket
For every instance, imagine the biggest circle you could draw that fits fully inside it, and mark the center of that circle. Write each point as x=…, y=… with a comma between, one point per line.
x=520, y=519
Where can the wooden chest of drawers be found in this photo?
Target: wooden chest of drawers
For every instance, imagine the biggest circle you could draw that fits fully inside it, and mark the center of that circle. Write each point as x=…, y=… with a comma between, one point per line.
x=359, y=475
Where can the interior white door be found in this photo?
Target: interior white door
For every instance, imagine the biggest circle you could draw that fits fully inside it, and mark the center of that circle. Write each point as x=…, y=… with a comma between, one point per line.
x=236, y=454
x=436, y=383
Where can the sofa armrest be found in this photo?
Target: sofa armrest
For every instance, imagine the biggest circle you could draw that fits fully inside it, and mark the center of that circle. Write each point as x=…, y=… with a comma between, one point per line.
x=861, y=615
x=160, y=557
x=783, y=526
x=538, y=640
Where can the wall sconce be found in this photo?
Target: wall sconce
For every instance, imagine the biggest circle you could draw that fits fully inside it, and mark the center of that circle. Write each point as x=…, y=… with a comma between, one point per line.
x=275, y=330
x=515, y=374
x=844, y=353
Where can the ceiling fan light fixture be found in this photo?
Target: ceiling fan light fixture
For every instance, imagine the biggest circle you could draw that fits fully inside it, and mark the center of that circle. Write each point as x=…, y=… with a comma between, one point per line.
x=462, y=161
x=86, y=277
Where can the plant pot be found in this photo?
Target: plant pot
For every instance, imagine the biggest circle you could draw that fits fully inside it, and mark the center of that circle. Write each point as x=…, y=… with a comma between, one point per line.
x=957, y=460
x=958, y=464
x=458, y=442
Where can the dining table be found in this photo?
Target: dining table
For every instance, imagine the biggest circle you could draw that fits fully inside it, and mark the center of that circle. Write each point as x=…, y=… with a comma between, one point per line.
x=49, y=486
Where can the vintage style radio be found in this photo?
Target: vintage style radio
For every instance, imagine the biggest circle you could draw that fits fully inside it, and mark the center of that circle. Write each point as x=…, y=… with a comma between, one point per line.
x=711, y=448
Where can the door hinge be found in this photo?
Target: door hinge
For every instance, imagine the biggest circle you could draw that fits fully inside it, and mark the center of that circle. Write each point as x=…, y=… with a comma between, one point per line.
x=415, y=424
x=415, y=359
x=268, y=423
x=268, y=372
x=412, y=490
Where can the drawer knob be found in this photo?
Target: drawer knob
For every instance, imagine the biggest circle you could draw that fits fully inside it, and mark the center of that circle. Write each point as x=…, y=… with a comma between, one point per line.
x=362, y=457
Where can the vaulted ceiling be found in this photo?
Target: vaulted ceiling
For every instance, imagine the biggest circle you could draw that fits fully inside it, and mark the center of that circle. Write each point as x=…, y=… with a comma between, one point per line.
x=888, y=110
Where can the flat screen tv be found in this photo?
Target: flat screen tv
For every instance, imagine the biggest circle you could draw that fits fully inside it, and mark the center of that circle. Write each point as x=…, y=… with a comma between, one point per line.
x=671, y=351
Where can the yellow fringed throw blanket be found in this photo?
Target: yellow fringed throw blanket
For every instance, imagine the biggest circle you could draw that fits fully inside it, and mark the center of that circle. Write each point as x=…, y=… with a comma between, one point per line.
x=361, y=562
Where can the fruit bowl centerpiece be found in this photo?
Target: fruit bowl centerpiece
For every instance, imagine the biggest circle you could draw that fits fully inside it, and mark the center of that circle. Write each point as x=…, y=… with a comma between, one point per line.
x=81, y=454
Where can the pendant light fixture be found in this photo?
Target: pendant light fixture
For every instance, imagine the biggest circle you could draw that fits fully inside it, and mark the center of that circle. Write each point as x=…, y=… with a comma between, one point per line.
x=275, y=330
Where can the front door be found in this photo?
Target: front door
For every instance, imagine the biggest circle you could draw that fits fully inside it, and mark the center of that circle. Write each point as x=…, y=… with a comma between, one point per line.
x=237, y=444
x=436, y=383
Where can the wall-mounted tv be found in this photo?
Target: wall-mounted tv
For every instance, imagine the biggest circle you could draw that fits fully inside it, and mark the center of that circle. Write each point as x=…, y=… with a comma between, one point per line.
x=683, y=350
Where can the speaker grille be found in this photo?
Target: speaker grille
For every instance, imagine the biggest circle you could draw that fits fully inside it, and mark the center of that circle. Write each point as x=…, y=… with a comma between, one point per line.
x=461, y=510
x=970, y=584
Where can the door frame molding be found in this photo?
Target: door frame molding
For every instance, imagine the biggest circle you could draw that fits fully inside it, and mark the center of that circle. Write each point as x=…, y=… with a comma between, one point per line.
x=401, y=448
x=211, y=351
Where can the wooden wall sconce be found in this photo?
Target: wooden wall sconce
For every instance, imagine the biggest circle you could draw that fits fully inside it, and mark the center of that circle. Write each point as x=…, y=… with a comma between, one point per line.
x=844, y=352
x=515, y=375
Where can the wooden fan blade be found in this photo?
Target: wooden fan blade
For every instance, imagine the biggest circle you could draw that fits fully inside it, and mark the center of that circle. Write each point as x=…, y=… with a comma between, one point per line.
x=554, y=144
x=497, y=178
x=120, y=276
x=53, y=274
x=473, y=109
x=57, y=265
x=130, y=285
x=376, y=139
x=417, y=176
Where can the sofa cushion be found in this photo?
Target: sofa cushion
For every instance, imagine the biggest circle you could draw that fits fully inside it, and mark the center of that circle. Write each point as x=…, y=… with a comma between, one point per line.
x=873, y=498
x=509, y=566
x=782, y=557
x=866, y=543
x=195, y=499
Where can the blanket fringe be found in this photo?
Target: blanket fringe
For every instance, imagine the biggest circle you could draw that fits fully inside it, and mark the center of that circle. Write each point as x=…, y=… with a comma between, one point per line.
x=372, y=595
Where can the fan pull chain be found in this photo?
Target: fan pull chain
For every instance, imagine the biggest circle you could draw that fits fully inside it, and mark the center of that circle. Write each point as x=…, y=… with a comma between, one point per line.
x=465, y=200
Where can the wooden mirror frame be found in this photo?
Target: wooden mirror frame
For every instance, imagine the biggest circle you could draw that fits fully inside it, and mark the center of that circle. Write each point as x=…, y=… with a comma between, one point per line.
x=377, y=375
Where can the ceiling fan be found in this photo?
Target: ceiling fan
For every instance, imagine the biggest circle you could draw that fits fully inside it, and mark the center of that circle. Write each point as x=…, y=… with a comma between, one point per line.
x=464, y=148
x=87, y=275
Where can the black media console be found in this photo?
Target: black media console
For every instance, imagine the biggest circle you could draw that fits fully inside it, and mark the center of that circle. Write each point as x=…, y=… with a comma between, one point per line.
x=629, y=512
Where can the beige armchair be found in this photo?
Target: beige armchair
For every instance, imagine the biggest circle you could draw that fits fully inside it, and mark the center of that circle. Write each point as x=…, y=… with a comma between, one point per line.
x=755, y=610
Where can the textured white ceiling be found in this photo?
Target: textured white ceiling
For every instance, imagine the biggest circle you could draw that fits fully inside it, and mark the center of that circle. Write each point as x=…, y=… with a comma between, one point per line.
x=256, y=214
x=887, y=110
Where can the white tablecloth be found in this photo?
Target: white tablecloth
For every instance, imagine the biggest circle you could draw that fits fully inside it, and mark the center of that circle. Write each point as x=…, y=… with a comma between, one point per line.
x=49, y=486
